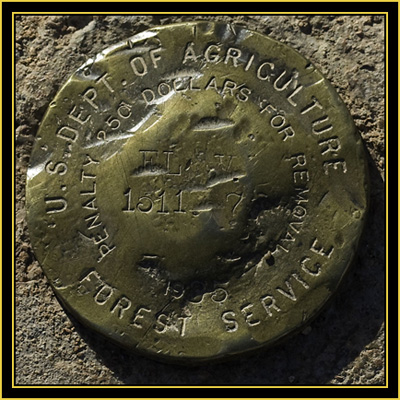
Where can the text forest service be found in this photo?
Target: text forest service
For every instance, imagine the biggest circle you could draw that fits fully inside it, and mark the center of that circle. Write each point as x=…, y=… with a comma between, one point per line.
x=196, y=191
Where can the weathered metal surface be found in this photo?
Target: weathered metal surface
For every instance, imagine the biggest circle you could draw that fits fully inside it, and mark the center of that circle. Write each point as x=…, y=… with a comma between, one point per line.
x=196, y=191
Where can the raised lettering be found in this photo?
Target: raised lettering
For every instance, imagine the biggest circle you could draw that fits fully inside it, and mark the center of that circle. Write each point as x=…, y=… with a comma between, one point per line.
x=121, y=306
x=269, y=302
x=57, y=204
x=231, y=325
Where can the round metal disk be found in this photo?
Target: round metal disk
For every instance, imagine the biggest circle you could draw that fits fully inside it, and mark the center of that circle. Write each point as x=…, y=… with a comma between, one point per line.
x=196, y=191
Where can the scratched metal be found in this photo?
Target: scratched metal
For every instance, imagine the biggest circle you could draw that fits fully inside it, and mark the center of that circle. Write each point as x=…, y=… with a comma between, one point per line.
x=196, y=191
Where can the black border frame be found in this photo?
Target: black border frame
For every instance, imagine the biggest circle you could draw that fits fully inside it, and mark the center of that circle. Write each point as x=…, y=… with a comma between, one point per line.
x=391, y=8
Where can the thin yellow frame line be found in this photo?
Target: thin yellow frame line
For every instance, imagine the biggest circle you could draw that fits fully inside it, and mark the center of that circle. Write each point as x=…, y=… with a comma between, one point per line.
x=12, y=202
x=211, y=1
x=386, y=197
x=190, y=13
x=199, y=13
x=199, y=387
x=1, y=193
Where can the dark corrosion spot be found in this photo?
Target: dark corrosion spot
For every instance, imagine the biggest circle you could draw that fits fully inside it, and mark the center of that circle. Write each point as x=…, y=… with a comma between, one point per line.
x=261, y=204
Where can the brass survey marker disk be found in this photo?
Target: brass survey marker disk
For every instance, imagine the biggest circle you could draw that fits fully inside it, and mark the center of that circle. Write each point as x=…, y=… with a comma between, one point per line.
x=196, y=191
